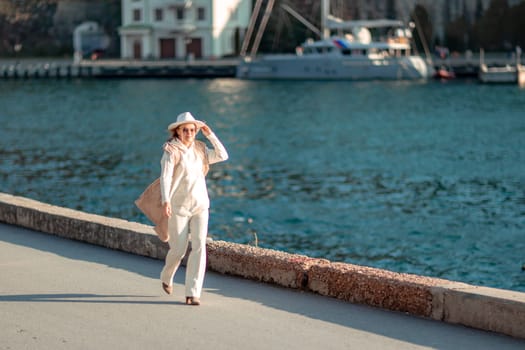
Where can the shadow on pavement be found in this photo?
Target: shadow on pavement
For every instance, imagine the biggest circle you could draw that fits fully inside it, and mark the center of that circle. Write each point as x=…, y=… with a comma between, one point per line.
x=415, y=330
x=85, y=298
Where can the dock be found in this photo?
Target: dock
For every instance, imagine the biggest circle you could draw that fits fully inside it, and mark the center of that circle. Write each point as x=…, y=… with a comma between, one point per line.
x=34, y=69
x=462, y=66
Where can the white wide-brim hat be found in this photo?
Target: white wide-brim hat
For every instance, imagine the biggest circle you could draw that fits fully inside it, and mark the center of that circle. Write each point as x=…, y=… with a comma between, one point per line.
x=185, y=118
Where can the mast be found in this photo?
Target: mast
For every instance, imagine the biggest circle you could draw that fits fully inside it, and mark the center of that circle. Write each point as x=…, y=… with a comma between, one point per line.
x=249, y=32
x=325, y=11
x=262, y=27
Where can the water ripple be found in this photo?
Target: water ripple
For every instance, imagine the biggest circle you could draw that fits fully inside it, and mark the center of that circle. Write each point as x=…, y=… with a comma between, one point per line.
x=434, y=186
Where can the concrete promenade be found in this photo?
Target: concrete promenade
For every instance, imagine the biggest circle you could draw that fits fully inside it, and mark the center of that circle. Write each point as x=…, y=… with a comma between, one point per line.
x=57, y=293
x=51, y=287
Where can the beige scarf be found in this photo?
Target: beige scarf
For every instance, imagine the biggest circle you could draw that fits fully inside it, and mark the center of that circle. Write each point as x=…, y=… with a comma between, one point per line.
x=150, y=201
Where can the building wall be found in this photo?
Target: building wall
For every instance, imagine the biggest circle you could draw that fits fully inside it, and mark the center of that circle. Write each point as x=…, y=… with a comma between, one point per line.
x=216, y=32
x=229, y=16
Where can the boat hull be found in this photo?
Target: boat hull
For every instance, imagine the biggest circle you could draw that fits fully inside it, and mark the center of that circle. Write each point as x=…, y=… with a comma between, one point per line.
x=502, y=75
x=335, y=68
x=498, y=77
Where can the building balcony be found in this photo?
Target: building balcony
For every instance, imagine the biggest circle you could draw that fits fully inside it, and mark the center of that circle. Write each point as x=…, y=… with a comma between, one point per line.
x=187, y=4
x=183, y=27
x=177, y=27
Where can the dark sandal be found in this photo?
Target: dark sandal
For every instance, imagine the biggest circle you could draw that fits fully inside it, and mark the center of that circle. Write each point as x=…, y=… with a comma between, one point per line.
x=167, y=289
x=192, y=301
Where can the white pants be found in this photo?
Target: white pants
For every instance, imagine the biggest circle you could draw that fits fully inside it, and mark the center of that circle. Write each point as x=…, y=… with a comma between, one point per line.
x=180, y=228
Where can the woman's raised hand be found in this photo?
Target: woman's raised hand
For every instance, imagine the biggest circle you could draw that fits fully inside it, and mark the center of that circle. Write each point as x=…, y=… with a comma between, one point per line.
x=206, y=130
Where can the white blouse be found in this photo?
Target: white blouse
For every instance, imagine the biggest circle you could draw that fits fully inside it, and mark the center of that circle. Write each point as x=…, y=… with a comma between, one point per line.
x=184, y=183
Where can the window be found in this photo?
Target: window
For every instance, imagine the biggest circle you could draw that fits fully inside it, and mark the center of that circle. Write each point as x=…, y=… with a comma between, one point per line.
x=180, y=13
x=137, y=15
x=201, y=14
x=159, y=15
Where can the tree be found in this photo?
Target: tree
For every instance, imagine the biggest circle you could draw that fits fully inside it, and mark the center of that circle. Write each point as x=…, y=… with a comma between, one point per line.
x=478, y=13
x=456, y=33
x=514, y=26
x=26, y=25
x=465, y=13
x=446, y=12
x=391, y=10
x=490, y=30
x=110, y=22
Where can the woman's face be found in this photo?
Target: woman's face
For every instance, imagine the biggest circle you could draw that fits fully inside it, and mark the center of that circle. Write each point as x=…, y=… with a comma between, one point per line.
x=186, y=133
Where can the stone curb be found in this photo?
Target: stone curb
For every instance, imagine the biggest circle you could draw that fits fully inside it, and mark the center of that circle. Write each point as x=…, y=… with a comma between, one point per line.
x=265, y=265
x=375, y=287
x=484, y=308
x=73, y=224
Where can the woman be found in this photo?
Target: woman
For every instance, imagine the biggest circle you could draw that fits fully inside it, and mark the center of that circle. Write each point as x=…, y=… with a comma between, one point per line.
x=185, y=200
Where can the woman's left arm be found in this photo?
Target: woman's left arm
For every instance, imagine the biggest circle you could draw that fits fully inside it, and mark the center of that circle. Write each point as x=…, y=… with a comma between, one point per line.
x=218, y=153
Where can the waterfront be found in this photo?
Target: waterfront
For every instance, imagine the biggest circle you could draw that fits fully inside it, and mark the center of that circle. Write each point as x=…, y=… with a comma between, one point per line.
x=63, y=68
x=425, y=178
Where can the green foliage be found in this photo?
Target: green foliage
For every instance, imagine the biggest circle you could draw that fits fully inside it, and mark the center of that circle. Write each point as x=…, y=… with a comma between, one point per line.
x=479, y=10
x=26, y=24
x=391, y=12
x=489, y=28
x=457, y=35
x=30, y=27
x=499, y=28
x=514, y=25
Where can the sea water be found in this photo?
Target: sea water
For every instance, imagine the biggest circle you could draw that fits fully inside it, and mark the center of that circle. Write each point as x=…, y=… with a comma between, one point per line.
x=417, y=177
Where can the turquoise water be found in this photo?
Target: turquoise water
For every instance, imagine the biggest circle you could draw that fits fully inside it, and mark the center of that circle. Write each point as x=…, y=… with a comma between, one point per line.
x=425, y=178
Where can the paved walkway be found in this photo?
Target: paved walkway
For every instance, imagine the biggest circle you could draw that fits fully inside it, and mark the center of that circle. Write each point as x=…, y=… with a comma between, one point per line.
x=62, y=294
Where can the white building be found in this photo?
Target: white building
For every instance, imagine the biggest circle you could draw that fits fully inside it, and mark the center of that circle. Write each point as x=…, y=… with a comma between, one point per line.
x=179, y=29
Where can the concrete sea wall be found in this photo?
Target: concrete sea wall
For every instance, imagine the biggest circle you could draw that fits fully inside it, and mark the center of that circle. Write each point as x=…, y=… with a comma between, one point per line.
x=120, y=69
x=484, y=308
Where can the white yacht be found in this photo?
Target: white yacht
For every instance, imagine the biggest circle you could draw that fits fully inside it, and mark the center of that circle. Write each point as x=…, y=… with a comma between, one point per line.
x=348, y=50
